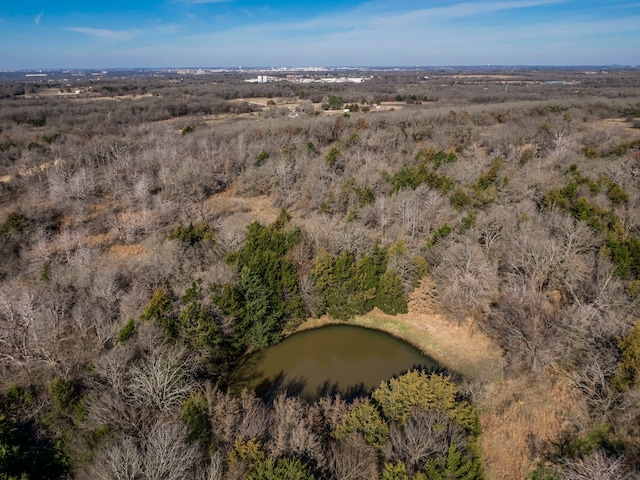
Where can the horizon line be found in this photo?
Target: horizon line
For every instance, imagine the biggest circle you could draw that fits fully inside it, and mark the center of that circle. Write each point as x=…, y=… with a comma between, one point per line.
x=327, y=67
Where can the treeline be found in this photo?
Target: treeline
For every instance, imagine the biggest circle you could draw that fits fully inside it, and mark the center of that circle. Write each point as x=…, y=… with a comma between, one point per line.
x=131, y=256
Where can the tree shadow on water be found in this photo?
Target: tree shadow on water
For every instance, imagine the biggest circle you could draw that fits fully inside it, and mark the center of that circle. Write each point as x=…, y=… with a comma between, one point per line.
x=435, y=368
x=272, y=386
x=349, y=393
x=246, y=372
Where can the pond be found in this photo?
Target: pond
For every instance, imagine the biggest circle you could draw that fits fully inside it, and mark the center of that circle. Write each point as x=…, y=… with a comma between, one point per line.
x=347, y=359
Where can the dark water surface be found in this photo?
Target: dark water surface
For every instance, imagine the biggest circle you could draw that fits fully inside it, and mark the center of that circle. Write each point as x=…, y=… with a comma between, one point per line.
x=337, y=358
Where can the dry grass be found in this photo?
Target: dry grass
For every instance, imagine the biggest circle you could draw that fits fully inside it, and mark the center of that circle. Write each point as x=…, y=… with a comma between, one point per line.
x=520, y=416
x=228, y=204
x=623, y=125
x=126, y=251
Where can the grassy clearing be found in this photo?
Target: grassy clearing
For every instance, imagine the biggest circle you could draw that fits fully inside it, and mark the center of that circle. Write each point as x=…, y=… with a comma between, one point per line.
x=521, y=417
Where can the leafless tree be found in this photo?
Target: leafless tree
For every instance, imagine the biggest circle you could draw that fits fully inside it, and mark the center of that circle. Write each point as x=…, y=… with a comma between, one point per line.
x=213, y=469
x=291, y=432
x=597, y=466
x=236, y=418
x=552, y=251
x=34, y=326
x=167, y=455
x=529, y=325
x=284, y=175
x=418, y=211
x=309, y=295
x=352, y=459
x=326, y=414
x=131, y=392
x=468, y=281
x=118, y=461
x=15, y=320
x=161, y=453
x=593, y=378
x=352, y=238
x=426, y=435
x=253, y=420
x=162, y=380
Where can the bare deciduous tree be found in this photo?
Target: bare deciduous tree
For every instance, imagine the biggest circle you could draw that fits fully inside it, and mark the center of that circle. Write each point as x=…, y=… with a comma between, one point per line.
x=426, y=435
x=291, y=433
x=235, y=418
x=162, y=380
x=528, y=325
x=352, y=459
x=166, y=454
x=118, y=461
x=597, y=466
x=467, y=279
x=161, y=453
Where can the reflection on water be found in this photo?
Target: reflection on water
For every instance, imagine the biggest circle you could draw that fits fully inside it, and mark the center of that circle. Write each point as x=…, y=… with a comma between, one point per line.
x=338, y=358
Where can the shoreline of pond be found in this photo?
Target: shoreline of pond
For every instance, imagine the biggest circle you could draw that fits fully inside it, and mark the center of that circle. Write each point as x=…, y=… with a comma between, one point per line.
x=459, y=349
x=336, y=358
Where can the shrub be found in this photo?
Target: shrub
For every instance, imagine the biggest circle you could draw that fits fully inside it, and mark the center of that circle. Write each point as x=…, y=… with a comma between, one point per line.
x=193, y=233
x=366, y=420
x=195, y=417
x=187, y=129
x=332, y=156
x=628, y=373
x=262, y=157
x=65, y=396
x=14, y=223
x=127, y=332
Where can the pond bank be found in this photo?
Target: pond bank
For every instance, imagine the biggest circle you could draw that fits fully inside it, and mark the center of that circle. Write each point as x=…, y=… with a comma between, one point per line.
x=458, y=348
x=512, y=409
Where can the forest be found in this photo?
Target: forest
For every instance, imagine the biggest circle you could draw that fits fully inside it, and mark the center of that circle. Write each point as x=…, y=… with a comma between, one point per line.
x=154, y=231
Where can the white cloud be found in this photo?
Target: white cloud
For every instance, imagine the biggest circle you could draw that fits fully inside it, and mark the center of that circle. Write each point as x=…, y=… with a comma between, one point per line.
x=375, y=34
x=110, y=35
x=382, y=33
x=38, y=17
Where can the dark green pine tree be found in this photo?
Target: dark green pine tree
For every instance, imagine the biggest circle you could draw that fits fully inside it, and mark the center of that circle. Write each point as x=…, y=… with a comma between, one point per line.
x=457, y=467
x=267, y=298
x=390, y=296
x=263, y=315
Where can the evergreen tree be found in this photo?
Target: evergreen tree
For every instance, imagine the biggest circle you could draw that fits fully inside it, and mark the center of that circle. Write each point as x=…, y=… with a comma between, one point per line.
x=348, y=287
x=395, y=471
x=159, y=309
x=267, y=298
x=364, y=419
x=280, y=469
x=390, y=296
x=457, y=467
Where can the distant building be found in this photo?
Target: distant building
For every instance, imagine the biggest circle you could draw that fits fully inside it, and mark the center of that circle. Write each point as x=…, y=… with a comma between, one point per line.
x=263, y=79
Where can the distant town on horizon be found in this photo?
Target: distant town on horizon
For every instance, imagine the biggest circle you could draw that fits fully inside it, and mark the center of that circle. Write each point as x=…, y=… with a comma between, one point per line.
x=55, y=73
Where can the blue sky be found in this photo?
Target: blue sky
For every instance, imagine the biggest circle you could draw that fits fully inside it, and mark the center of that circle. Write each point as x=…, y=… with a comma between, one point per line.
x=231, y=33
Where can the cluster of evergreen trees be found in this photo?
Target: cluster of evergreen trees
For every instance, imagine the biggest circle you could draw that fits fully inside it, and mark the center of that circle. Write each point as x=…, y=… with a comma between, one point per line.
x=265, y=300
x=351, y=286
